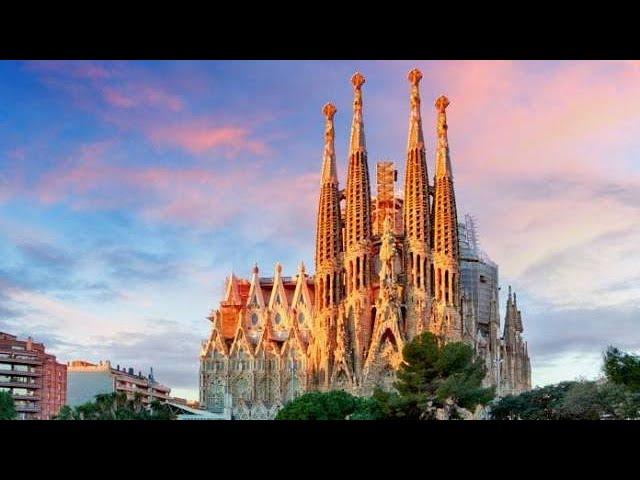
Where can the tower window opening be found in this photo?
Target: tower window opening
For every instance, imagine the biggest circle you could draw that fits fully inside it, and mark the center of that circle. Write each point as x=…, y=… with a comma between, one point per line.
x=446, y=286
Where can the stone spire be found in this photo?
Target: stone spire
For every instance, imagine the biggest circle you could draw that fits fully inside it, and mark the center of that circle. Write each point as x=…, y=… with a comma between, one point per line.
x=445, y=231
x=445, y=214
x=358, y=237
x=329, y=228
x=416, y=215
x=511, y=316
x=358, y=198
x=516, y=373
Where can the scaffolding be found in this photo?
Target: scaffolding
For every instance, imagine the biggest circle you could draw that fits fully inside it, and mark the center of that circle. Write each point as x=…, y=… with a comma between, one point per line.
x=386, y=176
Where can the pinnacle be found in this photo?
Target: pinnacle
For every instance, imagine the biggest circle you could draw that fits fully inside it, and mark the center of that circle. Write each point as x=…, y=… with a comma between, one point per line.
x=414, y=76
x=442, y=102
x=357, y=80
x=329, y=110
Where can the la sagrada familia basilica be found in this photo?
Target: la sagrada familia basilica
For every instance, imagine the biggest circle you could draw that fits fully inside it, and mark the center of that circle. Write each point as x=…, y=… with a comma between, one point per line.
x=386, y=269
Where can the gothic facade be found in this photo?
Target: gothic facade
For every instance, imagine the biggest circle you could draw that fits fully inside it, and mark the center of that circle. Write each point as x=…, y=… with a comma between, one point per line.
x=386, y=269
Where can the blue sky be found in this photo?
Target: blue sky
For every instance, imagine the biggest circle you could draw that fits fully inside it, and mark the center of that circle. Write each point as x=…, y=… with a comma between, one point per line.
x=128, y=190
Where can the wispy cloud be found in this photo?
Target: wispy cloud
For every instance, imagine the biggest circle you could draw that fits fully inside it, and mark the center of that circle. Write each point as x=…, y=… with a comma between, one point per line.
x=200, y=138
x=133, y=95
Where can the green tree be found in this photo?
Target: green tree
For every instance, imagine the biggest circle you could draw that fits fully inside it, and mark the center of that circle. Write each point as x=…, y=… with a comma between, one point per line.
x=575, y=400
x=376, y=407
x=116, y=406
x=622, y=368
x=537, y=404
x=333, y=405
x=582, y=401
x=65, y=413
x=433, y=373
x=7, y=406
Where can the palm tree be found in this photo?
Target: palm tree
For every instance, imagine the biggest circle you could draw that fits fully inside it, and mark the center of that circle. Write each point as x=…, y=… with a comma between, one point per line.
x=116, y=406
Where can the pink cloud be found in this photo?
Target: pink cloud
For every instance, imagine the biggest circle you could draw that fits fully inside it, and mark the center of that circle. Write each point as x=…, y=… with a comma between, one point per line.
x=132, y=100
x=118, y=84
x=88, y=70
x=77, y=69
x=140, y=95
x=197, y=195
x=198, y=138
x=542, y=160
x=117, y=99
x=159, y=97
x=520, y=122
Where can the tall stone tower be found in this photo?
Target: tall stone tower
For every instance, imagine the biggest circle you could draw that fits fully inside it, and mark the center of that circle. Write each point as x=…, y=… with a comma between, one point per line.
x=445, y=320
x=358, y=244
x=516, y=369
x=328, y=260
x=416, y=219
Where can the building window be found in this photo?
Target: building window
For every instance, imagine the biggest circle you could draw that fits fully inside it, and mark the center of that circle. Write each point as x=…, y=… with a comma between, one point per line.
x=301, y=318
x=278, y=319
x=254, y=319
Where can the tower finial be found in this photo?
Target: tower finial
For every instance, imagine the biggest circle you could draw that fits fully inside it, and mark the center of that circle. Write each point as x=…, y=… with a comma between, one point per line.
x=443, y=163
x=329, y=110
x=357, y=142
x=442, y=102
x=414, y=76
x=357, y=80
x=329, y=173
x=416, y=138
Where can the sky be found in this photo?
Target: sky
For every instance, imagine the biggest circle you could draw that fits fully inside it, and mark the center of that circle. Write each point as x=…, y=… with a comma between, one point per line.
x=129, y=190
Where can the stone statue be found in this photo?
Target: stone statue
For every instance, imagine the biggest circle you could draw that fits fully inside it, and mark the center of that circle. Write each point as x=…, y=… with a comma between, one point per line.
x=387, y=254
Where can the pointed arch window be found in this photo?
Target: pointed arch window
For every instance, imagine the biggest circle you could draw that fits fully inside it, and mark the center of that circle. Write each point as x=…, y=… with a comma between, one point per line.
x=254, y=319
x=301, y=318
x=278, y=319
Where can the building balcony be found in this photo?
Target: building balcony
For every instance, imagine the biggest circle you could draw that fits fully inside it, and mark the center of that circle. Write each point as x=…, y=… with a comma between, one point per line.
x=131, y=390
x=18, y=373
x=28, y=408
x=27, y=397
x=125, y=388
x=20, y=385
x=134, y=380
x=25, y=361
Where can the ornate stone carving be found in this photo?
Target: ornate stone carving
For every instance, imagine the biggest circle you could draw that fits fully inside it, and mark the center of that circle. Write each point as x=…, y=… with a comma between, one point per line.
x=357, y=80
x=442, y=102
